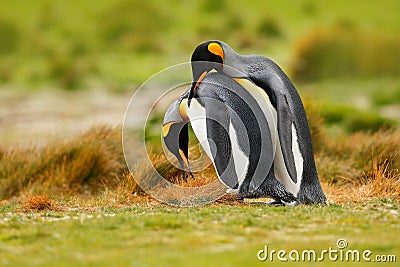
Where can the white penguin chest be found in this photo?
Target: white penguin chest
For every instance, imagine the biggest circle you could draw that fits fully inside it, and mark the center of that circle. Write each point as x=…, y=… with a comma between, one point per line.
x=197, y=117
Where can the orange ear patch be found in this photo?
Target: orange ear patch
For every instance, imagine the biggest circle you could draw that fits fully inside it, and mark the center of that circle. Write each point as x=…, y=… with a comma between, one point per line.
x=216, y=49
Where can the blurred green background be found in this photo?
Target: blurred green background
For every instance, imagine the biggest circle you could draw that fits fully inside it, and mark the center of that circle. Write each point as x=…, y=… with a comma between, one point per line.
x=344, y=54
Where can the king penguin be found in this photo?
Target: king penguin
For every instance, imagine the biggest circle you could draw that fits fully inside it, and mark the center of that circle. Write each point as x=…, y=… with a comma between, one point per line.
x=293, y=175
x=176, y=133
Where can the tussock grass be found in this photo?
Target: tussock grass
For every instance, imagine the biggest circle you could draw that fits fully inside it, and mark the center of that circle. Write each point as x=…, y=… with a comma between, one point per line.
x=379, y=182
x=83, y=165
x=361, y=166
x=355, y=167
x=352, y=168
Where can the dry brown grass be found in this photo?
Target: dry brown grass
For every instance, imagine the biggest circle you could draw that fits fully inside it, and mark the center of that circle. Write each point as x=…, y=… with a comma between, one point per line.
x=167, y=170
x=39, y=203
x=90, y=170
x=82, y=165
x=379, y=182
x=361, y=167
x=355, y=167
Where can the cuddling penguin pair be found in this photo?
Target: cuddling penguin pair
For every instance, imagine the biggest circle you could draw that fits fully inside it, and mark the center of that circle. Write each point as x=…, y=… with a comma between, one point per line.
x=250, y=120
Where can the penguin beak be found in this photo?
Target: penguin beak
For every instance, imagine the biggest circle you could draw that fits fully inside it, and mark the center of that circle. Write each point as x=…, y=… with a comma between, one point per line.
x=176, y=138
x=195, y=85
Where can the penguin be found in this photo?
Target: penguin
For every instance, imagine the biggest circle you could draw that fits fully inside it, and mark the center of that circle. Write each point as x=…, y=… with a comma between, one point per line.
x=234, y=132
x=176, y=133
x=293, y=176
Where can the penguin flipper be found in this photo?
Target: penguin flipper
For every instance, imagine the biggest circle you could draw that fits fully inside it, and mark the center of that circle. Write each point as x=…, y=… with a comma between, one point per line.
x=276, y=91
x=285, y=134
x=221, y=148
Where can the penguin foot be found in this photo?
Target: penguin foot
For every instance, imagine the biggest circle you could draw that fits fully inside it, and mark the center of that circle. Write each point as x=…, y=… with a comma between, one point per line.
x=271, y=203
x=276, y=203
x=281, y=196
x=242, y=195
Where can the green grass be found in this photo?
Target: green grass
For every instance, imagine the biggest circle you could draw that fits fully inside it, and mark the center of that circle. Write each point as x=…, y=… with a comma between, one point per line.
x=215, y=235
x=117, y=46
x=354, y=104
x=367, y=93
x=71, y=44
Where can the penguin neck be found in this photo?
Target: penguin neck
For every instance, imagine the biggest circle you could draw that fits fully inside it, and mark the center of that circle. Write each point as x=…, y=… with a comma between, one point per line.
x=235, y=67
x=261, y=71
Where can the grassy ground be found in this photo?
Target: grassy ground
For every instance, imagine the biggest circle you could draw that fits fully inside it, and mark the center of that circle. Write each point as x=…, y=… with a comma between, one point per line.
x=72, y=205
x=224, y=234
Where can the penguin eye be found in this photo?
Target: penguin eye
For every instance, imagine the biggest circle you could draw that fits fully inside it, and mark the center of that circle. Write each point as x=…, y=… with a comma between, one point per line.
x=217, y=50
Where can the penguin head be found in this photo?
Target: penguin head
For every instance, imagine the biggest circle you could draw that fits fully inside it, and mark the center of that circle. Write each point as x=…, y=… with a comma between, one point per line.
x=175, y=132
x=214, y=55
x=206, y=57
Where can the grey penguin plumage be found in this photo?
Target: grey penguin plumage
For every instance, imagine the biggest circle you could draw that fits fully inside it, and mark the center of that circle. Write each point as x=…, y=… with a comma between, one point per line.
x=294, y=165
